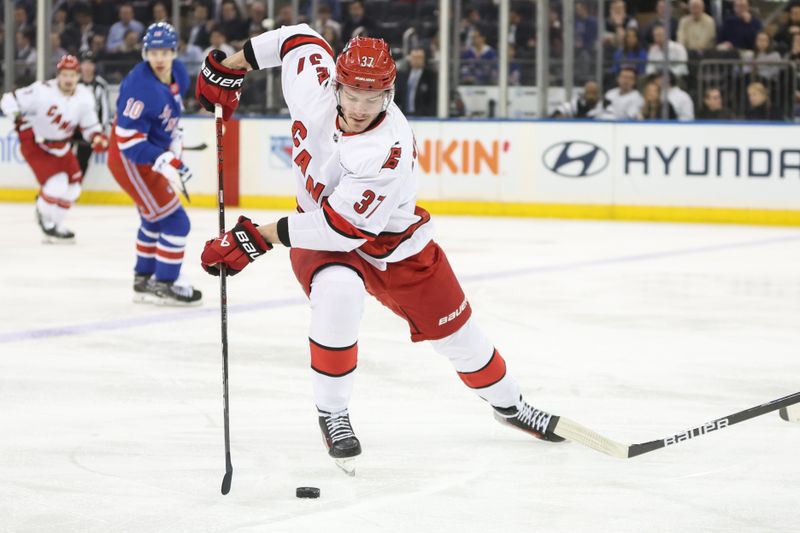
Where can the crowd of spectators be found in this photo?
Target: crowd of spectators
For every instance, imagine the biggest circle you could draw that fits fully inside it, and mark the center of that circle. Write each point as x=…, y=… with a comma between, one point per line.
x=632, y=41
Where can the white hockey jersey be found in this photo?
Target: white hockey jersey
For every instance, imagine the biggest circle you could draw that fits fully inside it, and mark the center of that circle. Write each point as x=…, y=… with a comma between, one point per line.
x=354, y=191
x=52, y=114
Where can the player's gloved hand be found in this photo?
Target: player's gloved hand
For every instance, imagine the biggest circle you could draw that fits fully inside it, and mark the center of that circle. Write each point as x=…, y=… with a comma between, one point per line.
x=236, y=249
x=176, y=145
x=99, y=142
x=173, y=169
x=218, y=84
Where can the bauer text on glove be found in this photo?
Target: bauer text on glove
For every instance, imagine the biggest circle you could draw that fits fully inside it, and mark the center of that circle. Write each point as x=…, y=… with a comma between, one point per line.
x=236, y=249
x=218, y=84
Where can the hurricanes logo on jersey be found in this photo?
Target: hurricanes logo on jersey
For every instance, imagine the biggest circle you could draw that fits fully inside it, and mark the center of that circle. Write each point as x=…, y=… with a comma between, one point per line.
x=57, y=118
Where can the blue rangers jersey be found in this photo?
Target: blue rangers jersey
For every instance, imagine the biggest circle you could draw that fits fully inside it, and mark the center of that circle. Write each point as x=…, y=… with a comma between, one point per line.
x=148, y=112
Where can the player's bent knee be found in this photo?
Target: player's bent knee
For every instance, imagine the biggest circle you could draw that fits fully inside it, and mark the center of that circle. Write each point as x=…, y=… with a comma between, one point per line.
x=56, y=186
x=466, y=347
x=338, y=285
x=337, y=304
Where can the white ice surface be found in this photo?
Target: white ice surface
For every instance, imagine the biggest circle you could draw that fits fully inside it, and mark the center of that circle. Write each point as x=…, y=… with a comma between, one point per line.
x=111, y=412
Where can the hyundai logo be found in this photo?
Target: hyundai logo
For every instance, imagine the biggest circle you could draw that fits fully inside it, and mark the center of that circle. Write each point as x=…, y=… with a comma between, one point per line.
x=575, y=159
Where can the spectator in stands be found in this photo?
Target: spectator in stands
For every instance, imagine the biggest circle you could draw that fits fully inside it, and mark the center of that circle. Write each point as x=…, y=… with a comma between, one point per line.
x=740, y=29
x=219, y=42
x=624, y=101
x=97, y=48
x=764, y=55
x=416, y=86
x=285, y=16
x=160, y=11
x=784, y=36
x=256, y=13
x=585, y=28
x=758, y=104
x=618, y=18
x=126, y=55
x=680, y=100
x=78, y=35
x=333, y=39
x=325, y=20
x=479, y=62
x=631, y=54
x=586, y=105
x=656, y=56
x=56, y=51
x=712, y=106
x=104, y=13
x=22, y=19
x=216, y=7
x=647, y=32
x=470, y=23
x=794, y=52
x=555, y=32
x=201, y=27
x=26, y=53
x=59, y=22
x=697, y=31
x=520, y=33
x=653, y=105
x=232, y=24
x=190, y=55
x=126, y=23
x=358, y=23
x=433, y=48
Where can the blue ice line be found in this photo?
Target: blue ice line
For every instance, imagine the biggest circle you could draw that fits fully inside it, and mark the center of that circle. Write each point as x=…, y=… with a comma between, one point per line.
x=191, y=314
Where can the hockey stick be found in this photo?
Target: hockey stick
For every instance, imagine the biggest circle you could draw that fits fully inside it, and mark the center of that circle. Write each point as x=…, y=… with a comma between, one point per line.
x=223, y=301
x=574, y=431
x=195, y=148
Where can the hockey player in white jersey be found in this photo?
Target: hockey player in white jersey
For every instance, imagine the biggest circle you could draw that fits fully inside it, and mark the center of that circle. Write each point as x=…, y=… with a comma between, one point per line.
x=46, y=115
x=358, y=229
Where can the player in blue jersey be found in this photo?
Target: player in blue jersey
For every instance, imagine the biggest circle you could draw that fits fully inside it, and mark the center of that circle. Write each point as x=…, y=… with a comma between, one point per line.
x=145, y=158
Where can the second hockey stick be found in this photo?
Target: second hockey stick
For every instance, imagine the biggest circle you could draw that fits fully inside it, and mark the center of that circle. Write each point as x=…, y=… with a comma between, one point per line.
x=195, y=147
x=223, y=304
x=571, y=430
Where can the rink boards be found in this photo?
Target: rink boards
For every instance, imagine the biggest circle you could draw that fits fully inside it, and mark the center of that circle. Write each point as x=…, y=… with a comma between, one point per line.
x=700, y=172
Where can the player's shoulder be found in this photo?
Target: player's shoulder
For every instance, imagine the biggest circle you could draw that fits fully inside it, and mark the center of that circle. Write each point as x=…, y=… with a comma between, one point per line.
x=139, y=78
x=367, y=153
x=139, y=84
x=83, y=92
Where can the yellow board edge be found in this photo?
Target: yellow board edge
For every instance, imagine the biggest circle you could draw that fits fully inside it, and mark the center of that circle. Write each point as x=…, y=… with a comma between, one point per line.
x=774, y=217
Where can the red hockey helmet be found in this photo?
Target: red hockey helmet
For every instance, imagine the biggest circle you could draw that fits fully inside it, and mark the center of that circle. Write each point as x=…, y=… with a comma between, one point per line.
x=68, y=62
x=366, y=63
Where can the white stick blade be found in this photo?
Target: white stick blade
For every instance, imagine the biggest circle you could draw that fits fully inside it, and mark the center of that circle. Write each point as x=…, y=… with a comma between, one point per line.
x=791, y=413
x=571, y=430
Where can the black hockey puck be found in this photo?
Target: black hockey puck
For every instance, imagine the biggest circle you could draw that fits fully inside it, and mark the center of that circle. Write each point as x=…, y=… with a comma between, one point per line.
x=307, y=492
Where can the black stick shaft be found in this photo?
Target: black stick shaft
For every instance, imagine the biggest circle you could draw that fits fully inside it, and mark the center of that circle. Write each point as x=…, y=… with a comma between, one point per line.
x=223, y=300
x=569, y=429
x=713, y=425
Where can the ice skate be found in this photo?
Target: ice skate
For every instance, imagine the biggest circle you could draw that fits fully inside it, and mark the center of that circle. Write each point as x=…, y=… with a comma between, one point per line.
x=171, y=294
x=54, y=234
x=530, y=420
x=140, y=292
x=338, y=436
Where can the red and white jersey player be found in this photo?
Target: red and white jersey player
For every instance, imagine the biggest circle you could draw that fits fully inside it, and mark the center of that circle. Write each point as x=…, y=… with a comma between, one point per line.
x=46, y=115
x=359, y=230
x=358, y=189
